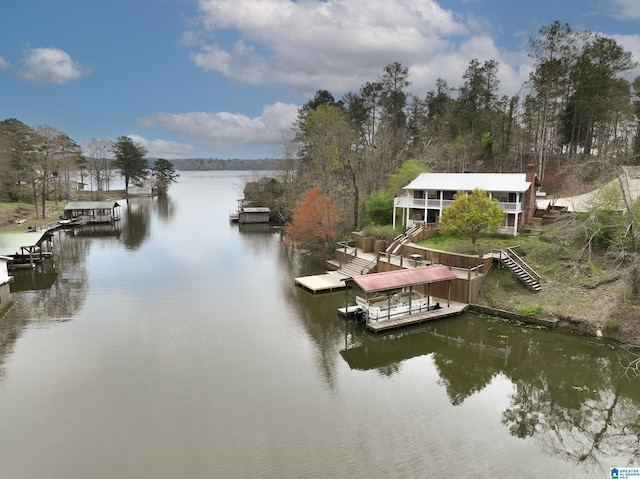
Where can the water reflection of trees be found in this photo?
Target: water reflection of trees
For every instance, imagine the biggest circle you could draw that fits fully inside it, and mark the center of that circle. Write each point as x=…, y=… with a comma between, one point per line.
x=569, y=393
x=575, y=403
x=135, y=229
x=317, y=313
x=165, y=207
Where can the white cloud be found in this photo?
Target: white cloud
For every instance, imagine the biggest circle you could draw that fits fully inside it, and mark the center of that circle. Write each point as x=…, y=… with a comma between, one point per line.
x=163, y=148
x=3, y=63
x=316, y=43
x=225, y=130
x=50, y=65
x=626, y=9
x=630, y=43
x=327, y=44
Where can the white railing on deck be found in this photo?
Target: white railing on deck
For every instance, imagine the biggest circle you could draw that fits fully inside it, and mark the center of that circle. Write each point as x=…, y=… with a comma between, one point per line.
x=408, y=202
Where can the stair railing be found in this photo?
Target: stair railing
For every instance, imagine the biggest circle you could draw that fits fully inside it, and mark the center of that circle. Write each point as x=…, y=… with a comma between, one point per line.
x=522, y=263
x=369, y=266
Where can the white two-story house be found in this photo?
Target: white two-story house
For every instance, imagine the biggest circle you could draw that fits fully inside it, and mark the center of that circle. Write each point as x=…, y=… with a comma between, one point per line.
x=427, y=195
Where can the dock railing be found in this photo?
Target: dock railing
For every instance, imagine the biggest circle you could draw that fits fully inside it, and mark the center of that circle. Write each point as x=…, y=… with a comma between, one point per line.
x=47, y=227
x=415, y=261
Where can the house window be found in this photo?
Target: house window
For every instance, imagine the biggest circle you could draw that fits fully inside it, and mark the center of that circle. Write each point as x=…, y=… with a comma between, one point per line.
x=448, y=195
x=433, y=195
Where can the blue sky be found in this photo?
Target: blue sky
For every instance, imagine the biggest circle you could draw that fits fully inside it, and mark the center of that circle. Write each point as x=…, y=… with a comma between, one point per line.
x=225, y=78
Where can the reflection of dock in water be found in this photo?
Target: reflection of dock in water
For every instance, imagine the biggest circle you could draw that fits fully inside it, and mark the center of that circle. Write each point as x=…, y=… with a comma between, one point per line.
x=254, y=227
x=111, y=230
x=376, y=352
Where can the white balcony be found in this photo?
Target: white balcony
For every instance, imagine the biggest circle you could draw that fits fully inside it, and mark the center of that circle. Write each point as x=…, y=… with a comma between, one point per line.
x=408, y=202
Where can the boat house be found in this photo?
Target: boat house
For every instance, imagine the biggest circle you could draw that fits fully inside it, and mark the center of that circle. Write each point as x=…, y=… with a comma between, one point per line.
x=402, y=297
x=255, y=214
x=86, y=212
x=144, y=189
x=427, y=195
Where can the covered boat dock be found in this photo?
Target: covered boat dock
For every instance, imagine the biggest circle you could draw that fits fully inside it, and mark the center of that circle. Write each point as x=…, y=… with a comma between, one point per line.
x=86, y=212
x=403, y=297
x=25, y=249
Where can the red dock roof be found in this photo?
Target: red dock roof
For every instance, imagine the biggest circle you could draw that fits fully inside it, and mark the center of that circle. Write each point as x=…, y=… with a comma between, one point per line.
x=370, y=283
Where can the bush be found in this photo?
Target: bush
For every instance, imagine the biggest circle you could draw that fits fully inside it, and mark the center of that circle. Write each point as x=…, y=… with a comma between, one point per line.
x=379, y=208
x=611, y=327
x=533, y=311
x=386, y=233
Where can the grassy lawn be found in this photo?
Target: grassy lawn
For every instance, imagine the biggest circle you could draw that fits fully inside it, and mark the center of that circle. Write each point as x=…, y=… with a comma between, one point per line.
x=11, y=215
x=463, y=245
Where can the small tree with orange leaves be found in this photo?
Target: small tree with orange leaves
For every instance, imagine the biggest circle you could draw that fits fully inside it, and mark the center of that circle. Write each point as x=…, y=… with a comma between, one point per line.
x=314, y=221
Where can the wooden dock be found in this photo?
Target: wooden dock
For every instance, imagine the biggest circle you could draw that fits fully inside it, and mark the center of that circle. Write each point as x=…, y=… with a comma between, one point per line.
x=329, y=281
x=454, y=309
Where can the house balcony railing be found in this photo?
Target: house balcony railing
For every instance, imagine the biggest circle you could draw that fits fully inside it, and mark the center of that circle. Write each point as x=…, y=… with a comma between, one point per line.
x=504, y=230
x=408, y=202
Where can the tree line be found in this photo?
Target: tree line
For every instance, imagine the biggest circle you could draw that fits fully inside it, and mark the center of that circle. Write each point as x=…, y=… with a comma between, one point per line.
x=575, y=106
x=217, y=164
x=43, y=164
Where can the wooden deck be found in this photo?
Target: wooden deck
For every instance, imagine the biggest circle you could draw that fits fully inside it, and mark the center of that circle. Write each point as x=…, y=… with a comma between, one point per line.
x=322, y=282
x=454, y=309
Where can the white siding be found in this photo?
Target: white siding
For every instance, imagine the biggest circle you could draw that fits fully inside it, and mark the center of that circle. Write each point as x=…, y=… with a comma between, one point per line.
x=4, y=272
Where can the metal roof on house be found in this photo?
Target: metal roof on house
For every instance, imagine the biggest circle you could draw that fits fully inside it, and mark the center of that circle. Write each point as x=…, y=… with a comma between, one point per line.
x=256, y=209
x=403, y=278
x=503, y=182
x=10, y=243
x=91, y=205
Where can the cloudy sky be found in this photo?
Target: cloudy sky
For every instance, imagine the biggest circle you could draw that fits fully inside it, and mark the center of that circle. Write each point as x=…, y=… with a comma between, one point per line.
x=225, y=78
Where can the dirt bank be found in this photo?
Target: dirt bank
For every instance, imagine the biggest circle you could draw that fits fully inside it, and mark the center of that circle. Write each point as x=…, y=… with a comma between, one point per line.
x=580, y=302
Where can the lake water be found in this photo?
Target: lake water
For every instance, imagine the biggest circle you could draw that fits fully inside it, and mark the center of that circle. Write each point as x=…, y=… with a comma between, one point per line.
x=179, y=347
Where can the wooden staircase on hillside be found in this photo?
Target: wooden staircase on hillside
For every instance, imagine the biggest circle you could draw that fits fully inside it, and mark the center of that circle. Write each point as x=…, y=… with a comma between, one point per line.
x=520, y=269
x=357, y=266
x=398, y=241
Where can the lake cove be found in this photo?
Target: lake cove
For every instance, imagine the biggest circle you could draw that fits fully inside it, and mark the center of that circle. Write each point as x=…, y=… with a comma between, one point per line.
x=181, y=347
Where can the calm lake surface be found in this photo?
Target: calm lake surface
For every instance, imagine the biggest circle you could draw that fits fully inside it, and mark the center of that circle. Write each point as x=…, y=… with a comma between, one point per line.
x=179, y=347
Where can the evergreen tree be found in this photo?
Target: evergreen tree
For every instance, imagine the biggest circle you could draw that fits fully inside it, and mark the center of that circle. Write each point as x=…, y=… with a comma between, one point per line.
x=130, y=160
x=164, y=172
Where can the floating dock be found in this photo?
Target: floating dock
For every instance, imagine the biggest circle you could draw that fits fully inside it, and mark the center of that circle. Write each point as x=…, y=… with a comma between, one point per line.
x=329, y=281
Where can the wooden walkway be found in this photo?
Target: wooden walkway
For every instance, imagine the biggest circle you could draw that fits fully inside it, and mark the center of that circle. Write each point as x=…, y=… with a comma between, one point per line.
x=454, y=309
